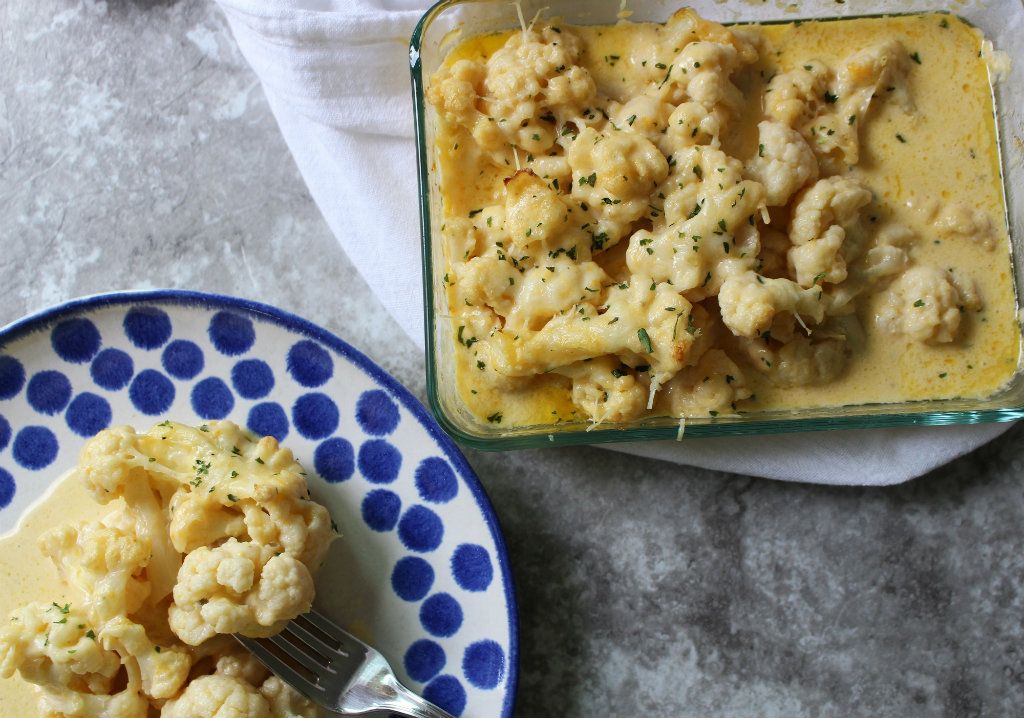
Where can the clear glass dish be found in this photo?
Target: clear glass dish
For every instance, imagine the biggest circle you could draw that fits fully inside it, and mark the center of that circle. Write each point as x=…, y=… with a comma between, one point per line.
x=449, y=22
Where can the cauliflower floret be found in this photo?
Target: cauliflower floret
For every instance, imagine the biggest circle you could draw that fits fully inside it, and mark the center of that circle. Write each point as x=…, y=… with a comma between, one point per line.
x=641, y=322
x=539, y=221
x=218, y=696
x=519, y=95
x=606, y=390
x=614, y=174
x=925, y=304
x=244, y=666
x=960, y=221
x=56, y=646
x=821, y=217
x=159, y=670
x=797, y=97
x=801, y=361
x=716, y=239
x=711, y=387
x=784, y=162
x=643, y=114
x=487, y=281
x=877, y=71
x=285, y=701
x=548, y=290
x=106, y=560
x=240, y=488
x=750, y=303
x=129, y=703
x=237, y=587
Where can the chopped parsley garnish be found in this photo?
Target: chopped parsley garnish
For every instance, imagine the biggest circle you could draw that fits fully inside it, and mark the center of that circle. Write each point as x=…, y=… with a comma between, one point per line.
x=760, y=150
x=919, y=303
x=590, y=180
x=915, y=57
x=495, y=418
x=943, y=375
x=630, y=120
x=830, y=98
x=901, y=138
x=698, y=171
x=475, y=212
x=851, y=119
x=721, y=224
x=90, y=634
x=645, y=340
x=259, y=460
x=234, y=474
x=232, y=497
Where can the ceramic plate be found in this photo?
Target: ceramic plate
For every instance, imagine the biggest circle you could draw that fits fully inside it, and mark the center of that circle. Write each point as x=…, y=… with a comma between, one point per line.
x=420, y=572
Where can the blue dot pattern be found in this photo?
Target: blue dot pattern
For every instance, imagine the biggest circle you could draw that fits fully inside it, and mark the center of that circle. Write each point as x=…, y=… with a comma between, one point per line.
x=448, y=693
x=211, y=398
x=268, y=419
x=380, y=509
x=232, y=334
x=412, y=578
x=424, y=660
x=12, y=377
x=247, y=384
x=483, y=664
x=376, y=413
x=420, y=529
x=35, y=447
x=315, y=416
x=471, y=567
x=310, y=364
x=147, y=327
x=183, y=359
x=334, y=460
x=48, y=392
x=6, y=488
x=436, y=481
x=89, y=414
x=252, y=378
x=151, y=392
x=112, y=369
x=379, y=461
x=441, y=615
x=75, y=340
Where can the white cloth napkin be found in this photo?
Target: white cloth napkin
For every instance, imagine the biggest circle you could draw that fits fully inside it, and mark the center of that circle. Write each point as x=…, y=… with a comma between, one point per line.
x=336, y=75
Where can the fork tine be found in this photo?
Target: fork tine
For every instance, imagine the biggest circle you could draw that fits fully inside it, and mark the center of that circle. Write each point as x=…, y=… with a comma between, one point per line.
x=305, y=655
x=310, y=638
x=281, y=668
x=328, y=627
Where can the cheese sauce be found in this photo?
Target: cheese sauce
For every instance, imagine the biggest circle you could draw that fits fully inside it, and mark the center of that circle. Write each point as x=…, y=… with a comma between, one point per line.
x=26, y=575
x=945, y=150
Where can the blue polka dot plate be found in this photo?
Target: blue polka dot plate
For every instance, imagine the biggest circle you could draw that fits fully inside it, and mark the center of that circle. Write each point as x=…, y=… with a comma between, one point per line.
x=420, y=572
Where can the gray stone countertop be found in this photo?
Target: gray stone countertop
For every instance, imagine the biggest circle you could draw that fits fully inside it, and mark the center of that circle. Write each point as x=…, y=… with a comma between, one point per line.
x=137, y=151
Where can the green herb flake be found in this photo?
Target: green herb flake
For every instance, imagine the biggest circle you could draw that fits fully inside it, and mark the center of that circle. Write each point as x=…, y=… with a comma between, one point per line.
x=645, y=340
x=830, y=98
x=851, y=119
x=630, y=120
x=475, y=212
x=760, y=150
x=919, y=303
x=901, y=138
x=495, y=418
x=915, y=57
x=232, y=497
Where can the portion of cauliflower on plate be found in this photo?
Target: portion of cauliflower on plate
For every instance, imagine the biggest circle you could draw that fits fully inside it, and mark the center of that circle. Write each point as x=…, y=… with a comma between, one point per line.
x=210, y=532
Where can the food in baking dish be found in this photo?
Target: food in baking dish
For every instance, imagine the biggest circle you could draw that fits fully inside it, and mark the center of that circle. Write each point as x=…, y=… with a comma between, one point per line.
x=205, y=532
x=693, y=220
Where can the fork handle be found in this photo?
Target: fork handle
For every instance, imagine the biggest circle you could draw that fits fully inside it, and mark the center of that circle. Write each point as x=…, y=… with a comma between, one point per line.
x=406, y=703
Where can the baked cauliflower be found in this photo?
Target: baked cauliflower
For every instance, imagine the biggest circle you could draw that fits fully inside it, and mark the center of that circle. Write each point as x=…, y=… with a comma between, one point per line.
x=924, y=303
x=209, y=532
x=238, y=587
x=750, y=303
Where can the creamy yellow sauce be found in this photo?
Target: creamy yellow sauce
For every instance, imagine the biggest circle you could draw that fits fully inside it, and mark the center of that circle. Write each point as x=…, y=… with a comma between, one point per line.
x=945, y=150
x=26, y=575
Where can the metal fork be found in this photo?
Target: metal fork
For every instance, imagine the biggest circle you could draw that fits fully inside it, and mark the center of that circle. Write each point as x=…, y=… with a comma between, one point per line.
x=336, y=670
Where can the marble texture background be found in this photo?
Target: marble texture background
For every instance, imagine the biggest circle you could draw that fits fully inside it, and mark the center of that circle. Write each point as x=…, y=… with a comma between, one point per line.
x=136, y=151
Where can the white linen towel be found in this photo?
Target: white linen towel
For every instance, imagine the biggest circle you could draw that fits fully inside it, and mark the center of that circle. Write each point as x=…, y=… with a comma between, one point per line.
x=336, y=75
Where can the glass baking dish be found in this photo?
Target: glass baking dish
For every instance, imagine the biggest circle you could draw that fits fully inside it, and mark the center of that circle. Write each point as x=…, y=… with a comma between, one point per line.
x=449, y=22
